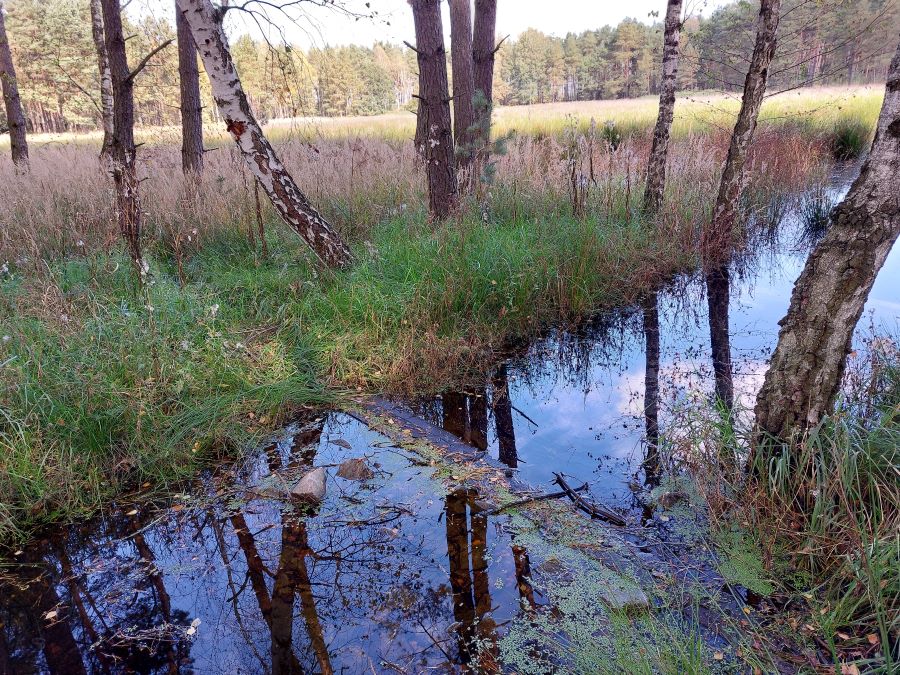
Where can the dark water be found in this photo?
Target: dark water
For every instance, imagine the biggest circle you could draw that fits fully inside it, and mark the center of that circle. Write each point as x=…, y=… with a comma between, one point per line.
x=392, y=574
x=576, y=400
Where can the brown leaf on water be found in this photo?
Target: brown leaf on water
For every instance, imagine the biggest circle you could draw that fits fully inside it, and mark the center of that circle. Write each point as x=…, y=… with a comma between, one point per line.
x=342, y=443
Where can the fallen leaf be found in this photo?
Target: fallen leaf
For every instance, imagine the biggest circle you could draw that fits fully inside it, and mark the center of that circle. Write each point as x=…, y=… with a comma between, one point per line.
x=52, y=614
x=849, y=669
x=133, y=512
x=342, y=443
x=177, y=507
x=843, y=636
x=718, y=656
x=873, y=639
x=193, y=627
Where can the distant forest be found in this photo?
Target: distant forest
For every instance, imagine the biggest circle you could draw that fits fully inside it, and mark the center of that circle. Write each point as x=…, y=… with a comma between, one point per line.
x=822, y=42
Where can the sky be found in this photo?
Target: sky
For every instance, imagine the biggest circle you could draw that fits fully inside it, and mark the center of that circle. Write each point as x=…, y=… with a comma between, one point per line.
x=319, y=27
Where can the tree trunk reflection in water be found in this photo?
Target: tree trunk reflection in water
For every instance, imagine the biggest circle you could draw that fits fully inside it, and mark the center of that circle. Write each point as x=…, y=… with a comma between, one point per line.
x=470, y=585
x=478, y=419
x=503, y=420
x=650, y=305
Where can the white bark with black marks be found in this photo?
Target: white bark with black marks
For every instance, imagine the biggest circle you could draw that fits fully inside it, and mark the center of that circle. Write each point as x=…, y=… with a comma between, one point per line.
x=205, y=22
x=106, y=87
x=806, y=369
x=656, y=166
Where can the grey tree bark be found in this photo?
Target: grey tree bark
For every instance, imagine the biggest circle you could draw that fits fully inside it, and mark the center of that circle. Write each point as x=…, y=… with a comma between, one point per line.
x=205, y=22
x=483, y=50
x=15, y=118
x=461, y=58
x=106, y=88
x=440, y=165
x=656, y=167
x=191, y=106
x=122, y=149
x=717, y=238
x=828, y=298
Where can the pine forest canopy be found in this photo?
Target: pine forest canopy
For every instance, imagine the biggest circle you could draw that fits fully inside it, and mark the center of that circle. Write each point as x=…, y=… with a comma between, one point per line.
x=822, y=42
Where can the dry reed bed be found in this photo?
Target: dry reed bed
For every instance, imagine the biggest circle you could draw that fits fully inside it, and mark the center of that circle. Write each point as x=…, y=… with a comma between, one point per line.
x=65, y=206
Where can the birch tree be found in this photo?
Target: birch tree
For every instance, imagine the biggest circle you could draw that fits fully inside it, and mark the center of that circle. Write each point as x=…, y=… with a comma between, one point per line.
x=717, y=238
x=205, y=22
x=15, y=118
x=656, y=166
x=806, y=369
x=106, y=88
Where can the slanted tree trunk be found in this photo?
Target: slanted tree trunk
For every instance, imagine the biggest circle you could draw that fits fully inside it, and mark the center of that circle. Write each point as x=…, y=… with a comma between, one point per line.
x=806, y=369
x=463, y=86
x=122, y=150
x=440, y=165
x=191, y=107
x=205, y=22
x=15, y=118
x=656, y=167
x=717, y=238
x=483, y=50
x=106, y=88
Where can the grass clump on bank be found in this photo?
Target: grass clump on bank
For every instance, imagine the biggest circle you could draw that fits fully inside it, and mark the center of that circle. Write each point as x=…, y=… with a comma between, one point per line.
x=818, y=523
x=104, y=386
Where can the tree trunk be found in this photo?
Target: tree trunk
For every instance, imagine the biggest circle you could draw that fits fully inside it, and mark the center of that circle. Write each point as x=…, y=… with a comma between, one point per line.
x=106, y=87
x=717, y=238
x=440, y=165
x=191, y=107
x=656, y=167
x=463, y=87
x=806, y=369
x=122, y=148
x=483, y=50
x=15, y=118
x=205, y=22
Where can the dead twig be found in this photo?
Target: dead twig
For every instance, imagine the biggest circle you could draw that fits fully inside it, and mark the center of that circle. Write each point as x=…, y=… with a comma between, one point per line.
x=593, y=510
x=536, y=498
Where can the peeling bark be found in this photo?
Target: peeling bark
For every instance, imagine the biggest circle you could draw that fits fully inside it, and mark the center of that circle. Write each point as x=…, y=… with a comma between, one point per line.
x=15, y=118
x=205, y=22
x=122, y=150
x=463, y=86
x=716, y=241
x=656, y=167
x=191, y=107
x=829, y=296
x=440, y=165
x=106, y=87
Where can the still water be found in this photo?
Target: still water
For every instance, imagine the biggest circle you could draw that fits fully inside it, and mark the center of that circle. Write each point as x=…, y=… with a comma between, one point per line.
x=392, y=573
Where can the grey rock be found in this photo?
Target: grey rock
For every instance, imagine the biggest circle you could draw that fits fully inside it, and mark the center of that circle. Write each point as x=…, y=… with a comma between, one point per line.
x=311, y=488
x=355, y=469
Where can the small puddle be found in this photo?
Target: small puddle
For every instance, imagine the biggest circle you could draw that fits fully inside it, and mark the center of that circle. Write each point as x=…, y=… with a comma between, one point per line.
x=395, y=573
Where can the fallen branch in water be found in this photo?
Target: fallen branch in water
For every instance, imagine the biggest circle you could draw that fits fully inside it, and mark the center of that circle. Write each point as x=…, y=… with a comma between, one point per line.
x=592, y=510
x=536, y=498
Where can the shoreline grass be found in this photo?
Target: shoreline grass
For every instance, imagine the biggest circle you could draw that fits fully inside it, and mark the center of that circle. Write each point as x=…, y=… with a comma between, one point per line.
x=105, y=386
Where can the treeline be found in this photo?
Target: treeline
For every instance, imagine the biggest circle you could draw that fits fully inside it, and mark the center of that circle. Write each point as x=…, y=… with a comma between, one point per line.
x=821, y=42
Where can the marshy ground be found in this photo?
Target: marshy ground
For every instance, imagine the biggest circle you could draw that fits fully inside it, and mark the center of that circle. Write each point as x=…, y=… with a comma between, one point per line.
x=115, y=397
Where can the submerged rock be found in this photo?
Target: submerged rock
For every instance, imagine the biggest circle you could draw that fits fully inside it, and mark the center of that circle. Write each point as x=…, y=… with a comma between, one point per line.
x=669, y=499
x=311, y=488
x=355, y=469
x=625, y=597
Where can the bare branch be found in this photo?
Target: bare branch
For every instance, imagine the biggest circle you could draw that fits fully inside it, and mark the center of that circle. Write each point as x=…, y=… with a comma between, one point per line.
x=143, y=64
